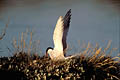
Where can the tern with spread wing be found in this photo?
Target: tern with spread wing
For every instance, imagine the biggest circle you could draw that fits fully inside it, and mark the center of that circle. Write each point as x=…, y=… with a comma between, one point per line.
x=59, y=38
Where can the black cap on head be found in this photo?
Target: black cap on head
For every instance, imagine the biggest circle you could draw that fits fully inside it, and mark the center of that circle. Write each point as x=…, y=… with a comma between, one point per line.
x=48, y=49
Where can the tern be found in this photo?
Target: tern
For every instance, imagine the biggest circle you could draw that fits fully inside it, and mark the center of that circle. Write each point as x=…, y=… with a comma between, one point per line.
x=59, y=38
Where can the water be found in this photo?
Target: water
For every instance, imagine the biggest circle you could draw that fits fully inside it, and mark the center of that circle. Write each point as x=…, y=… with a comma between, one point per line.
x=92, y=21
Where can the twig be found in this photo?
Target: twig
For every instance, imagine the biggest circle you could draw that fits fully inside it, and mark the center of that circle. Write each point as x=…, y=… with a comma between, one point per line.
x=4, y=31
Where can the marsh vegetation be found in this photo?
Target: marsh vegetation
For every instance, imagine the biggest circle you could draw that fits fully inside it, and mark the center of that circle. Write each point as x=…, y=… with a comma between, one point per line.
x=93, y=63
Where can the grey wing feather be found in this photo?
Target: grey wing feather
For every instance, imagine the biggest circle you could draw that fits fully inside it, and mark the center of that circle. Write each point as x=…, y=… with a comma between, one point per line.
x=67, y=18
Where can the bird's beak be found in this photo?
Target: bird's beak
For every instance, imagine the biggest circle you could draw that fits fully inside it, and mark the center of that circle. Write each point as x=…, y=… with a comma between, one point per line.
x=46, y=54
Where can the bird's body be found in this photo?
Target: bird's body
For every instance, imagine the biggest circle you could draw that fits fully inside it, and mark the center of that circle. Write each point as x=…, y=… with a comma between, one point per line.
x=60, y=37
x=56, y=55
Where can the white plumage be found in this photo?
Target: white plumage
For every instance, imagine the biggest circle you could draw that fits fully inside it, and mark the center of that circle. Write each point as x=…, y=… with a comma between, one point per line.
x=59, y=38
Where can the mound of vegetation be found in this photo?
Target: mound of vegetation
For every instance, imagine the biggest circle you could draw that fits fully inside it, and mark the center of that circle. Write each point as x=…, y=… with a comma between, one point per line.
x=23, y=66
x=90, y=64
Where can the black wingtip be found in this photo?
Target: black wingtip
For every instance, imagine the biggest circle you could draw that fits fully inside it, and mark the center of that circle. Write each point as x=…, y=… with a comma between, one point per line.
x=67, y=18
x=68, y=12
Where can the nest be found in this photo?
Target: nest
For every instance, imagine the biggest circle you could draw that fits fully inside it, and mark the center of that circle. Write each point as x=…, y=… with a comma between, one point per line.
x=23, y=66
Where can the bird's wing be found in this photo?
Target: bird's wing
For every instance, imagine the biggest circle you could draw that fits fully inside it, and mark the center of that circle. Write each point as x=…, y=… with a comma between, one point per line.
x=60, y=32
x=66, y=28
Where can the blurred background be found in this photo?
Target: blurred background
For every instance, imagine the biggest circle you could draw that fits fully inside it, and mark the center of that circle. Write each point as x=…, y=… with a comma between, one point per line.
x=94, y=21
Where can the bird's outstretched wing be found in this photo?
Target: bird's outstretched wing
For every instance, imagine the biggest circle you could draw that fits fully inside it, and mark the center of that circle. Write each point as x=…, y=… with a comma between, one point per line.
x=60, y=32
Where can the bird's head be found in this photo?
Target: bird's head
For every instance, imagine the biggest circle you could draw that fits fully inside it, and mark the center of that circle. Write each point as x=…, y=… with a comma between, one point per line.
x=49, y=50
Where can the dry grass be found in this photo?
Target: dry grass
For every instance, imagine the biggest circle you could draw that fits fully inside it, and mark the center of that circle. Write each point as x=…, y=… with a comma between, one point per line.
x=25, y=43
x=93, y=63
x=100, y=59
x=4, y=31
